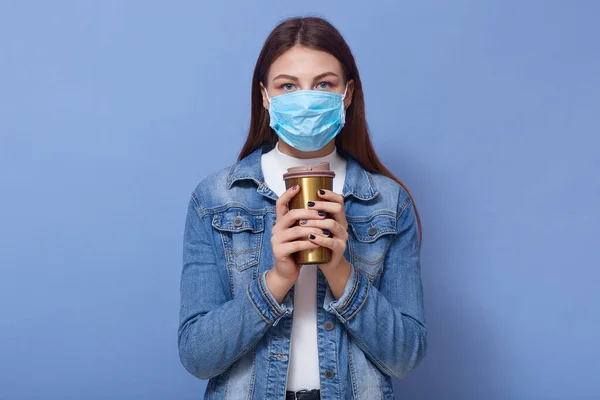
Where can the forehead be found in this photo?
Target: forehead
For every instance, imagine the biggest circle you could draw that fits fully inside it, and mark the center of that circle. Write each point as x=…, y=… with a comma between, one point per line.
x=304, y=62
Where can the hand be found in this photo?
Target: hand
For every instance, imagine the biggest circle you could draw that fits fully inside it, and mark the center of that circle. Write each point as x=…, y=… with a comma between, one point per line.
x=285, y=235
x=335, y=229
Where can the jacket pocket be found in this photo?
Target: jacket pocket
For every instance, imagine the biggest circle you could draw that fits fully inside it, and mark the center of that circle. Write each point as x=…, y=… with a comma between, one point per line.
x=241, y=233
x=369, y=241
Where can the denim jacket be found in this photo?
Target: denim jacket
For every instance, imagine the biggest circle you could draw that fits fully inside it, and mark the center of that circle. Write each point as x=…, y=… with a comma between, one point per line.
x=234, y=333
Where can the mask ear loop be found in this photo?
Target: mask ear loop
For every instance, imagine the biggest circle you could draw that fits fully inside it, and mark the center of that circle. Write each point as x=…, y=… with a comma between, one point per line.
x=343, y=106
x=267, y=93
x=345, y=90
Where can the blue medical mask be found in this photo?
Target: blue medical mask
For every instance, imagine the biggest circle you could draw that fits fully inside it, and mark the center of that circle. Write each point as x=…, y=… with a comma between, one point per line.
x=307, y=119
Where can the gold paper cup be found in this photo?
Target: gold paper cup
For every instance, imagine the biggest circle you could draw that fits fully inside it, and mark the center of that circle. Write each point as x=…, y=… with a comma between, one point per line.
x=310, y=179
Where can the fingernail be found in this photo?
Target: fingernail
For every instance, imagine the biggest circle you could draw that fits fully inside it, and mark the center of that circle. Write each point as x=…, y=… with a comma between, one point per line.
x=321, y=191
x=322, y=213
x=311, y=203
x=302, y=221
x=294, y=187
x=326, y=232
x=312, y=236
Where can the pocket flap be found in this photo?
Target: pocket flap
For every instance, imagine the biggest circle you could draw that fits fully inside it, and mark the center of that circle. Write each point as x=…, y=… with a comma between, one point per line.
x=237, y=219
x=372, y=228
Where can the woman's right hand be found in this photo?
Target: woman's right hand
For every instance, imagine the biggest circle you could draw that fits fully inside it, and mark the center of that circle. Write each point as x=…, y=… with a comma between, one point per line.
x=284, y=240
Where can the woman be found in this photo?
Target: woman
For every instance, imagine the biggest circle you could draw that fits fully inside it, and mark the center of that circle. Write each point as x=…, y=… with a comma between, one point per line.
x=358, y=320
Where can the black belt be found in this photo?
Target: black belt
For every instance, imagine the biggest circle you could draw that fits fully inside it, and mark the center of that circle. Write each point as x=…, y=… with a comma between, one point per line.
x=314, y=394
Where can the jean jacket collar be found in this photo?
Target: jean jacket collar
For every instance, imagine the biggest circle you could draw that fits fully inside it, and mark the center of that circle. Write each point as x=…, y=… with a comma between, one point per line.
x=358, y=183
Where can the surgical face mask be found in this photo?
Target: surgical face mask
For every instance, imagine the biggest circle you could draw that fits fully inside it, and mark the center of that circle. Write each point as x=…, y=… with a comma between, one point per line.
x=307, y=119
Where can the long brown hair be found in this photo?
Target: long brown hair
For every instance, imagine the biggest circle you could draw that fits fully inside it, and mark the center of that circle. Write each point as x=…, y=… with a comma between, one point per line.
x=318, y=34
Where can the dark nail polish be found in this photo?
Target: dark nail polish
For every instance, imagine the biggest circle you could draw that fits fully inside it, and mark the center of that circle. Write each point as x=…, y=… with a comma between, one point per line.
x=321, y=191
x=302, y=221
x=322, y=213
x=326, y=232
x=294, y=187
x=312, y=236
x=311, y=203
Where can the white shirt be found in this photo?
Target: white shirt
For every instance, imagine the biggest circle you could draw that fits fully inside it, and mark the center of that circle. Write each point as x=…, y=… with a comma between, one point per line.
x=303, y=371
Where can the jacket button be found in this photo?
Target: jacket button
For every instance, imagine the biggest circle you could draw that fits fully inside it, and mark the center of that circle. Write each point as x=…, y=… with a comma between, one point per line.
x=238, y=221
x=328, y=325
x=329, y=374
x=372, y=231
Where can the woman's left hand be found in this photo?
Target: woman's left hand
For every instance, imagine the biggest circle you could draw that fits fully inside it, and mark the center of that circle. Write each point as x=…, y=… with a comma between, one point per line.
x=335, y=227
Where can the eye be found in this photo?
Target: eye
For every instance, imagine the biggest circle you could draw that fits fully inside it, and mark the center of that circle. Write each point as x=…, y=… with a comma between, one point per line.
x=324, y=85
x=287, y=86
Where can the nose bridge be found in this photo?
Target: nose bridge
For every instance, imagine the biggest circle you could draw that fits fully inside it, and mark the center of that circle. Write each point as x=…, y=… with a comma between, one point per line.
x=305, y=82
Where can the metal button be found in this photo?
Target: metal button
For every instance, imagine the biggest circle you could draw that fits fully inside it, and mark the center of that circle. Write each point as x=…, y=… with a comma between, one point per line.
x=372, y=231
x=329, y=374
x=238, y=221
x=328, y=325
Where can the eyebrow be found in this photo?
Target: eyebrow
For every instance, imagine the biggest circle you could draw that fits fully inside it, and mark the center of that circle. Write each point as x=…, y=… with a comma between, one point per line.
x=295, y=79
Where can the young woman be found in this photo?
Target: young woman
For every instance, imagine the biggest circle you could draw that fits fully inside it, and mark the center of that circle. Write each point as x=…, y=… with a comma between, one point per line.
x=254, y=323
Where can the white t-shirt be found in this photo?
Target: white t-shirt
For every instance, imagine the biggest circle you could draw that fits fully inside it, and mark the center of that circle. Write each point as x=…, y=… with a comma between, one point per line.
x=303, y=372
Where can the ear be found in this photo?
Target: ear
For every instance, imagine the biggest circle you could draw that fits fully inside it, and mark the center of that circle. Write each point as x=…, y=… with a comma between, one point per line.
x=349, y=93
x=263, y=92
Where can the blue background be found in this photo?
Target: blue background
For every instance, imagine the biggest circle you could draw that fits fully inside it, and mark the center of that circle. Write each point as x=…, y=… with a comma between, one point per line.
x=112, y=111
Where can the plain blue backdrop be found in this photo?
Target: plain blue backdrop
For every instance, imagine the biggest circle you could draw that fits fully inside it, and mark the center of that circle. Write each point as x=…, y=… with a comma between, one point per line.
x=112, y=111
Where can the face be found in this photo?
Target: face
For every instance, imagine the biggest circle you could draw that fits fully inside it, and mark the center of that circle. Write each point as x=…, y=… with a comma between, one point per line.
x=301, y=68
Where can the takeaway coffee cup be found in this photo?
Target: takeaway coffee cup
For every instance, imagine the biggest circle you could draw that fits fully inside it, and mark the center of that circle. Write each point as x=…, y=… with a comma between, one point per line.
x=310, y=179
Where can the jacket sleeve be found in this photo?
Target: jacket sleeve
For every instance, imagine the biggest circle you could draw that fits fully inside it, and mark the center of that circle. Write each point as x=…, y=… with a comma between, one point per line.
x=215, y=331
x=388, y=323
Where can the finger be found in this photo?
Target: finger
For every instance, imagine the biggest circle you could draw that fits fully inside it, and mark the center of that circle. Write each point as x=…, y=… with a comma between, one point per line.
x=298, y=245
x=299, y=214
x=333, y=203
x=298, y=232
x=281, y=205
x=331, y=243
x=330, y=195
x=327, y=206
x=330, y=224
